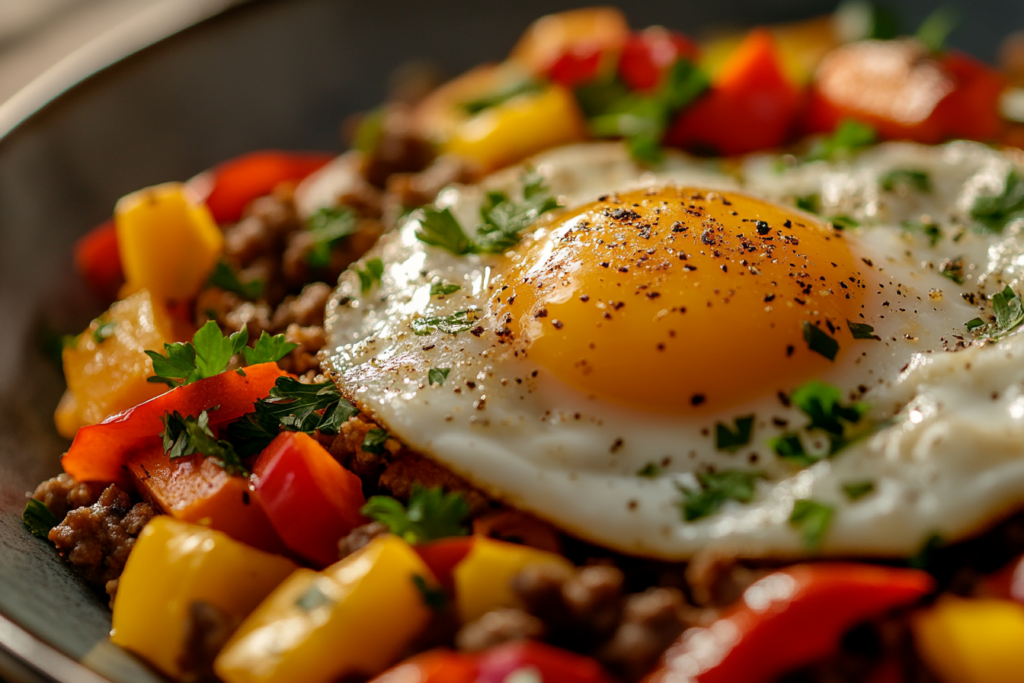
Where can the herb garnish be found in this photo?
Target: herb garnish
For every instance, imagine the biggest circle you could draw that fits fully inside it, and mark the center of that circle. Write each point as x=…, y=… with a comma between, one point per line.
x=822, y=404
x=430, y=515
x=649, y=471
x=104, y=331
x=812, y=519
x=849, y=136
x=460, y=321
x=715, y=489
x=268, y=349
x=953, y=269
x=440, y=228
x=843, y=222
x=731, y=440
x=443, y=288
x=855, y=490
x=810, y=203
x=370, y=275
x=38, y=518
x=207, y=355
x=437, y=376
x=500, y=96
x=1008, y=309
x=862, y=331
x=936, y=27
x=926, y=555
x=185, y=436
x=328, y=227
x=374, y=441
x=224, y=276
x=909, y=178
x=433, y=597
x=819, y=341
x=973, y=324
x=928, y=227
x=995, y=212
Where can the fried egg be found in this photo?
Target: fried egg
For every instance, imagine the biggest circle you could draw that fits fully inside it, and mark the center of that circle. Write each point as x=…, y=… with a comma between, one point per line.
x=589, y=373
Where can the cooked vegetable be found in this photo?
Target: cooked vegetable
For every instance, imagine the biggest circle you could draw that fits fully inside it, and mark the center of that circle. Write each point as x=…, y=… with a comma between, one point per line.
x=442, y=556
x=648, y=56
x=600, y=29
x=168, y=241
x=311, y=500
x=172, y=566
x=98, y=261
x=972, y=641
x=108, y=374
x=357, y=616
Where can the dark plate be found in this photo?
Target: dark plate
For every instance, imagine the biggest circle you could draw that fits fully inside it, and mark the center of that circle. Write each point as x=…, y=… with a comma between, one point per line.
x=264, y=74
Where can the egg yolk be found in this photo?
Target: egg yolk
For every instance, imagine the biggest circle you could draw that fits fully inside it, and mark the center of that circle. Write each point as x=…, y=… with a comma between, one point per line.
x=681, y=299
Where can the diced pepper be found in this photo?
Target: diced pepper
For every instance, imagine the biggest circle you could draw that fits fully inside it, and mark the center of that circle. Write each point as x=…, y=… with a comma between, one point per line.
x=972, y=641
x=1005, y=584
x=107, y=367
x=552, y=664
x=98, y=261
x=173, y=565
x=168, y=241
x=787, y=619
x=434, y=666
x=577, y=65
x=357, y=616
x=551, y=36
x=443, y=555
x=971, y=111
x=100, y=452
x=751, y=105
x=483, y=580
x=197, y=490
x=311, y=500
x=233, y=185
x=648, y=54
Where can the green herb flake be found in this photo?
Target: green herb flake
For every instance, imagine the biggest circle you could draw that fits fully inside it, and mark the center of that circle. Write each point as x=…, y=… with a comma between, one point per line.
x=268, y=349
x=926, y=556
x=224, y=276
x=313, y=598
x=460, y=321
x=843, y=222
x=862, y=331
x=443, y=288
x=103, y=331
x=812, y=519
x=936, y=27
x=370, y=275
x=502, y=95
x=1008, y=309
x=207, y=355
x=819, y=341
x=715, y=489
x=973, y=324
x=433, y=596
x=38, y=519
x=925, y=226
x=953, y=269
x=731, y=439
x=906, y=179
x=430, y=515
x=185, y=436
x=328, y=227
x=649, y=471
x=995, y=212
x=849, y=137
x=440, y=228
x=788, y=447
x=855, y=490
x=374, y=441
x=810, y=203
x=841, y=423
x=437, y=376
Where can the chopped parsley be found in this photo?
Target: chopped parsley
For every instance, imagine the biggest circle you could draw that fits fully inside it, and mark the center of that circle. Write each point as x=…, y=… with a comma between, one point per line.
x=715, y=489
x=926, y=556
x=460, y=321
x=329, y=226
x=374, y=441
x=440, y=228
x=843, y=222
x=313, y=598
x=38, y=519
x=810, y=203
x=862, y=331
x=855, y=490
x=973, y=324
x=850, y=136
x=926, y=226
x=649, y=471
x=294, y=407
x=224, y=276
x=443, y=288
x=953, y=269
x=819, y=341
x=906, y=178
x=370, y=275
x=936, y=27
x=430, y=515
x=1008, y=310
x=104, y=331
x=268, y=349
x=812, y=519
x=433, y=597
x=185, y=436
x=995, y=212
x=207, y=355
x=732, y=439
x=526, y=86
x=841, y=424
x=437, y=376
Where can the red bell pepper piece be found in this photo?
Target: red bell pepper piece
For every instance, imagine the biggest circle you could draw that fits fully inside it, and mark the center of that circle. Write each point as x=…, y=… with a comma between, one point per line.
x=232, y=185
x=311, y=500
x=496, y=665
x=434, y=666
x=98, y=261
x=751, y=105
x=442, y=556
x=577, y=65
x=971, y=111
x=787, y=619
x=1006, y=584
x=100, y=452
x=648, y=54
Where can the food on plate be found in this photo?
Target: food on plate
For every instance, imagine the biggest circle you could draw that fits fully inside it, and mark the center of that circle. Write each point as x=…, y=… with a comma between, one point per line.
x=632, y=357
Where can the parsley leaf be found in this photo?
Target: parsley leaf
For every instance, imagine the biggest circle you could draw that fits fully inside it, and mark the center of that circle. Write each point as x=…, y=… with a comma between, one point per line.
x=437, y=375
x=224, y=276
x=442, y=229
x=953, y=269
x=649, y=471
x=460, y=321
x=812, y=519
x=443, y=288
x=328, y=227
x=819, y=341
x=822, y=404
x=926, y=556
x=849, y=137
x=104, y=332
x=268, y=349
x=374, y=441
x=995, y=212
x=973, y=324
x=843, y=222
x=789, y=448
x=1008, y=309
x=503, y=219
x=909, y=178
x=370, y=275
x=929, y=227
x=185, y=436
x=430, y=515
x=502, y=95
x=862, y=331
x=38, y=518
x=936, y=27
x=207, y=355
x=732, y=440
x=715, y=489
x=855, y=490
x=433, y=597
x=810, y=203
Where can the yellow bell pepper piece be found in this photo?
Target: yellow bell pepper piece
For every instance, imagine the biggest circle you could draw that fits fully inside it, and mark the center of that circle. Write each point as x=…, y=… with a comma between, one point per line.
x=972, y=641
x=168, y=241
x=355, y=617
x=107, y=367
x=483, y=580
x=172, y=565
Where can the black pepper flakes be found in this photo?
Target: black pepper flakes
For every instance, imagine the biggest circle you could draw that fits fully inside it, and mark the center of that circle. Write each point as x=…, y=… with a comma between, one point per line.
x=557, y=324
x=762, y=228
x=697, y=399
